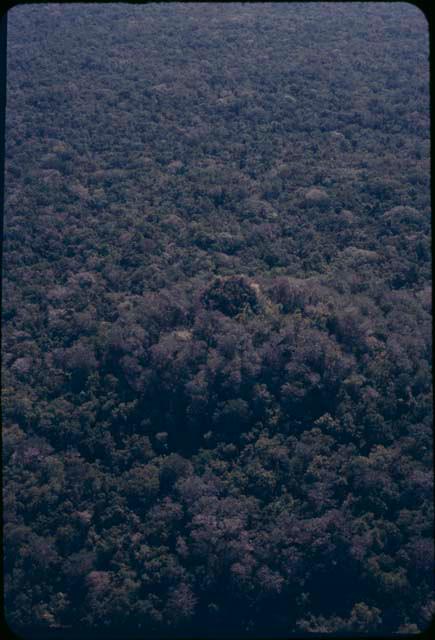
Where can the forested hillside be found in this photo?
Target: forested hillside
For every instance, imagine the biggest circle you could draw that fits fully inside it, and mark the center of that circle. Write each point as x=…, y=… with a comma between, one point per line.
x=217, y=395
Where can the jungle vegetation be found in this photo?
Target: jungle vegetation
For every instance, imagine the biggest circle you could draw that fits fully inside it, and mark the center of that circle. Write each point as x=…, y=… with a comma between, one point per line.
x=217, y=394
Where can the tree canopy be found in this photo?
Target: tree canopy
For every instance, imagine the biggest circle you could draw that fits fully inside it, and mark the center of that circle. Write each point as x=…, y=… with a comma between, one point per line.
x=217, y=394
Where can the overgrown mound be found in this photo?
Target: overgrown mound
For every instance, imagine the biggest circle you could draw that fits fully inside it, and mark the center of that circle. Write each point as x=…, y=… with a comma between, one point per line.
x=231, y=295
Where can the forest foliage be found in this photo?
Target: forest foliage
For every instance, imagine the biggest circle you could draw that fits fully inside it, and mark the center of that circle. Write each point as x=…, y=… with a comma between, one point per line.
x=217, y=396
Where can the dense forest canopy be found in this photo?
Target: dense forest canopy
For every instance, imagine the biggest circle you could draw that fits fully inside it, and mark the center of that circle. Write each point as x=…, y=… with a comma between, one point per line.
x=217, y=397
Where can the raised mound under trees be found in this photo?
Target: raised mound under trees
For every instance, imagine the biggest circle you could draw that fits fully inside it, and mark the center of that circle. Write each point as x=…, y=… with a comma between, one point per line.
x=231, y=295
